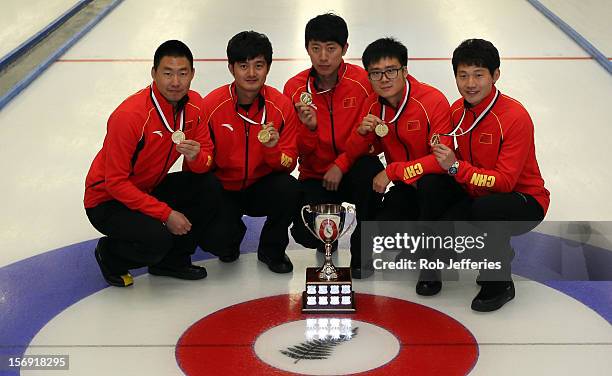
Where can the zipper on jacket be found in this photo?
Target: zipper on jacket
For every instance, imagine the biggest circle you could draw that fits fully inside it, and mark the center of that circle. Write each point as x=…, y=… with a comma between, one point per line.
x=400, y=140
x=397, y=133
x=247, y=127
x=163, y=171
x=331, y=117
x=472, y=159
x=139, y=148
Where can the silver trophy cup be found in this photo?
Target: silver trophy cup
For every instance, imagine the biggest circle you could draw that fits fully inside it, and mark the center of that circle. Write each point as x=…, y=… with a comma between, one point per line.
x=328, y=288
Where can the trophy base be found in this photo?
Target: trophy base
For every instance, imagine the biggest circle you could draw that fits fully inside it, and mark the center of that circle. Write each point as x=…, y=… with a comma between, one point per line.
x=322, y=296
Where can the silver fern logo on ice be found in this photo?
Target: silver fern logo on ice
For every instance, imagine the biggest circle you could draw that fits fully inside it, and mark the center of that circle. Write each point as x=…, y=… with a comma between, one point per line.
x=322, y=336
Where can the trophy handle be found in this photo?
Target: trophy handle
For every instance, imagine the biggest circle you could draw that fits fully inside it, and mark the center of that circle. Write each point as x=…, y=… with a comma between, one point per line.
x=307, y=207
x=349, y=209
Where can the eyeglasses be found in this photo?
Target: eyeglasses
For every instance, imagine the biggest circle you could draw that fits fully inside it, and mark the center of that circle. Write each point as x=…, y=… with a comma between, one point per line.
x=391, y=74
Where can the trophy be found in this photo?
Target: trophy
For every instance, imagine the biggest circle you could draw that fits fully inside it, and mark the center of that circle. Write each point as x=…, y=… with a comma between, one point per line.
x=328, y=288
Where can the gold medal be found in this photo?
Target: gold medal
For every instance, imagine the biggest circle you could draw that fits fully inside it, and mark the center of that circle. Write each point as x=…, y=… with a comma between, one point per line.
x=306, y=98
x=381, y=129
x=178, y=137
x=435, y=139
x=263, y=136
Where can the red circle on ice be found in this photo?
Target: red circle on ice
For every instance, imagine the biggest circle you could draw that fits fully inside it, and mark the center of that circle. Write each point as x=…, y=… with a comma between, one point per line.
x=431, y=342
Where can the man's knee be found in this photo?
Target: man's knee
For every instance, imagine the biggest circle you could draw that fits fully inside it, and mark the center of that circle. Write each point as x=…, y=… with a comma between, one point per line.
x=399, y=205
x=287, y=183
x=490, y=208
x=156, y=247
x=287, y=191
x=434, y=183
x=222, y=235
x=210, y=182
x=210, y=188
x=366, y=168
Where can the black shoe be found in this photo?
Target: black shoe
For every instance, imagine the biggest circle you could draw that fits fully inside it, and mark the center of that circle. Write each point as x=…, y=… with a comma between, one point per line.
x=118, y=279
x=189, y=272
x=283, y=265
x=493, y=296
x=230, y=257
x=429, y=283
x=428, y=288
x=321, y=248
x=359, y=272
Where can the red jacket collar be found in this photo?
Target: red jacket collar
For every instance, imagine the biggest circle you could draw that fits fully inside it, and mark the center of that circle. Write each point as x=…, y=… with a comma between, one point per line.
x=477, y=109
x=413, y=83
x=312, y=75
x=260, y=100
x=166, y=106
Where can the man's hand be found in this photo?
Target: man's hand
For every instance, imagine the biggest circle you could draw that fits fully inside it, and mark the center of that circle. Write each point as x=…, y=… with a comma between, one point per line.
x=274, y=136
x=189, y=148
x=307, y=115
x=332, y=178
x=444, y=155
x=177, y=223
x=368, y=124
x=380, y=182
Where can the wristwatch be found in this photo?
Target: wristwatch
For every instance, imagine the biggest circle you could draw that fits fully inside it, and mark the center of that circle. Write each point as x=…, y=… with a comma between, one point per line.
x=453, y=169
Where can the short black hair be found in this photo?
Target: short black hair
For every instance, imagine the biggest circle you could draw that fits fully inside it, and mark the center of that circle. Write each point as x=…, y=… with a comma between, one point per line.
x=326, y=27
x=476, y=52
x=382, y=48
x=247, y=45
x=174, y=48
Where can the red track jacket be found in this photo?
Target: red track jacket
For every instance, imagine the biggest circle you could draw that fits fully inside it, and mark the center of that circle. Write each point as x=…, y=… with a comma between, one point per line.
x=338, y=113
x=138, y=152
x=240, y=159
x=406, y=146
x=498, y=155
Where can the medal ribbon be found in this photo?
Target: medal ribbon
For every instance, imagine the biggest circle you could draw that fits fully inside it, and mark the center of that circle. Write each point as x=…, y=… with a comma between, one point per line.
x=163, y=117
x=310, y=91
x=263, y=118
x=401, y=107
x=478, y=119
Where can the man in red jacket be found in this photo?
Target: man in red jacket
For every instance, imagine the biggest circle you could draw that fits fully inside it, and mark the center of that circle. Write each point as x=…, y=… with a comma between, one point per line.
x=151, y=217
x=495, y=168
x=337, y=91
x=252, y=126
x=400, y=119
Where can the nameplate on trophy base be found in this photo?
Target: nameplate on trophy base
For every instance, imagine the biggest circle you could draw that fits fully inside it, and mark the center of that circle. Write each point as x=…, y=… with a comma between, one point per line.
x=323, y=296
